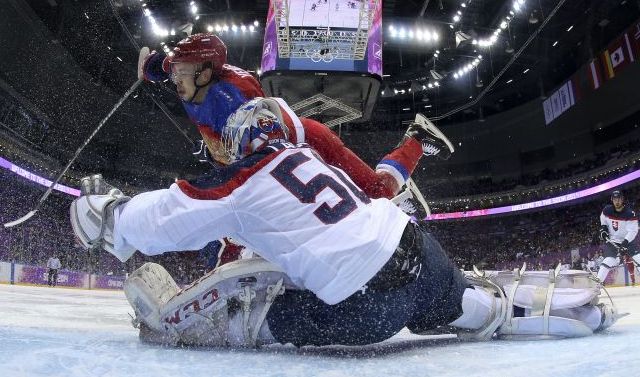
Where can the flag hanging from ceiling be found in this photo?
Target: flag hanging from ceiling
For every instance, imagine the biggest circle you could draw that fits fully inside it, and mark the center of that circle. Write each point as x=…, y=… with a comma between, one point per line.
x=617, y=56
x=595, y=74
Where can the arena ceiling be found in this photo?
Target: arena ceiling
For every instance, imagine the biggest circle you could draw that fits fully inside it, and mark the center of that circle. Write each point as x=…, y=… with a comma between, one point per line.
x=95, y=32
x=102, y=37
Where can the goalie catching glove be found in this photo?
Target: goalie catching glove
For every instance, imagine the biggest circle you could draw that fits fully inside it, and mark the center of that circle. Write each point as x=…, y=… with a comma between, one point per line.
x=93, y=215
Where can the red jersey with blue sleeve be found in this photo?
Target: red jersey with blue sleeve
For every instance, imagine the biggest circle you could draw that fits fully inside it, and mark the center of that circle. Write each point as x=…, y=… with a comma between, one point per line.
x=303, y=215
x=237, y=86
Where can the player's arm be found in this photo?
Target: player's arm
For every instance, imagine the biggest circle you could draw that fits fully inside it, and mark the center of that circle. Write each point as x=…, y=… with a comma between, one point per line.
x=152, y=222
x=632, y=229
x=603, y=232
x=169, y=220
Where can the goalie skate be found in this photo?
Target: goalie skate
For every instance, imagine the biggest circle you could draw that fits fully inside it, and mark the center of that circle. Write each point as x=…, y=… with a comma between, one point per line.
x=225, y=308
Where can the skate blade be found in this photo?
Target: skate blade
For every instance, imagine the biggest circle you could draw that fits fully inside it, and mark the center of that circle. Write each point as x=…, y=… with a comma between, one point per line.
x=424, y=122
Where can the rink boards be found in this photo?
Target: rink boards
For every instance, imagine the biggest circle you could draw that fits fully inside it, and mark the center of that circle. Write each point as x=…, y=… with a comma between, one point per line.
x=15, y=273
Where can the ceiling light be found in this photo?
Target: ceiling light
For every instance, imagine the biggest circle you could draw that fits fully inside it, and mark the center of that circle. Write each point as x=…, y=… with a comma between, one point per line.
x=218, y=28
x=456, y=18
x=456, y=75
x=436, y=84
x=509, y=81
x=209, y=29
x=256, y=23
x=570, y=27
x=406, y=109
x=243, y=28
x=555, y=43
x=526, y=70
x=252, y=28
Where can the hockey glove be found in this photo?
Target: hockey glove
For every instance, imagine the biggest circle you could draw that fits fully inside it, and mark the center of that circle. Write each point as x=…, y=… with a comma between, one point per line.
x=603, y=234
x=152, y=67
x=623, y=247
x=92, y=215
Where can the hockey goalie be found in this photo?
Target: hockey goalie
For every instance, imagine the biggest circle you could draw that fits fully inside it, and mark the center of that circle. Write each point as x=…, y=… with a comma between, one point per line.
x=335, y=266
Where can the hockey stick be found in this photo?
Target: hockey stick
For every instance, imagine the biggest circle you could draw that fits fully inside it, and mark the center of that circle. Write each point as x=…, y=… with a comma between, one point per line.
x=73, y=159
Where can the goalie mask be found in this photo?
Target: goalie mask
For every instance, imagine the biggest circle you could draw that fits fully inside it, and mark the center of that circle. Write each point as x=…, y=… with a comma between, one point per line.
x=255, y=125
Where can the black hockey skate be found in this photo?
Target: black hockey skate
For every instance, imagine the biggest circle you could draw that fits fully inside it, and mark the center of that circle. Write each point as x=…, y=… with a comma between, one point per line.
x=433, y=141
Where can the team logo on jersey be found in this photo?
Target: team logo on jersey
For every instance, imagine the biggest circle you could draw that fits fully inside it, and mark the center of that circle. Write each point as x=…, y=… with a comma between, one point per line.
x=614, y=225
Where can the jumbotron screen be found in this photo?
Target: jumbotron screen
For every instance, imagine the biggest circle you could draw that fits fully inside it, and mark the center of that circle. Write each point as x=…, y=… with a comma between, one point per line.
x=336, y=15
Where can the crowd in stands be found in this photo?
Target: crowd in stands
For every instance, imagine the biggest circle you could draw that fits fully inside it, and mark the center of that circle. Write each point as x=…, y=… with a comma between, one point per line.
x=452, y=188
x=543, y=238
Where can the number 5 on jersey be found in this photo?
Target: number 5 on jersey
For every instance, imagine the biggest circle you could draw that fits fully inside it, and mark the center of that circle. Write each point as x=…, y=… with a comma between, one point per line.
x=307, y=192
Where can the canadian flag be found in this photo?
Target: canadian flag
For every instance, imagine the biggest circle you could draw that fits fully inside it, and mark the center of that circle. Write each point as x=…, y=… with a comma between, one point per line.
x=618, y=55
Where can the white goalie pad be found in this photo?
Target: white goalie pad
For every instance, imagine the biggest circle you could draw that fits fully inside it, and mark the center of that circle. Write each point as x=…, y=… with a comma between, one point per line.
x=226, y=307
x=547, y=299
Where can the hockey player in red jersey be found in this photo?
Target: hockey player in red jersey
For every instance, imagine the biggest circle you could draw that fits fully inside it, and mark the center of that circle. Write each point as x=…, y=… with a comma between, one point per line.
x=338, y=268
x=211, y=91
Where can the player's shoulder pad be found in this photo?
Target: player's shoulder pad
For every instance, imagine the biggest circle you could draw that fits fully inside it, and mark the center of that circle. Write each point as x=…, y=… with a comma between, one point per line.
x=627, y=214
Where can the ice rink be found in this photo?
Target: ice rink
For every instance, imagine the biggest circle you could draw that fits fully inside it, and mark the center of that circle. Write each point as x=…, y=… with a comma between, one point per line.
x=69, y=332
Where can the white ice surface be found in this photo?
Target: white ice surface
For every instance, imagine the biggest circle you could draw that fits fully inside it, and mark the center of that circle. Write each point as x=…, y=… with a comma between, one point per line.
x=68, y=332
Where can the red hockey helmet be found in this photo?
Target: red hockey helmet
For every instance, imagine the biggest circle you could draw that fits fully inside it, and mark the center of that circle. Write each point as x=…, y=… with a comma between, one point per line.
x=198, y=48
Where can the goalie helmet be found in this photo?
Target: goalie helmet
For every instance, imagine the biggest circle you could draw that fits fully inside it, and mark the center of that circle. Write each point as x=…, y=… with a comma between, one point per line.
x=255, y=125
x=198, y=48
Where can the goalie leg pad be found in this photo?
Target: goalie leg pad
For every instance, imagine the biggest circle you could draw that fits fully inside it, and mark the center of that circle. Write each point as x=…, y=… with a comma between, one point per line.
x=226, y=307
x=147, y=289
x=554, y=304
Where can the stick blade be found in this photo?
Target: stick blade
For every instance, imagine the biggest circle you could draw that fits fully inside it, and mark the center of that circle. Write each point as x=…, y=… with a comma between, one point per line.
x=20, y=220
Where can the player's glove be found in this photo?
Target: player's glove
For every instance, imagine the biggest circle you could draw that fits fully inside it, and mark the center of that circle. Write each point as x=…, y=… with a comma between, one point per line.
x=623, y=246
x=92, y=215
x=150, y=66
x=603, y=233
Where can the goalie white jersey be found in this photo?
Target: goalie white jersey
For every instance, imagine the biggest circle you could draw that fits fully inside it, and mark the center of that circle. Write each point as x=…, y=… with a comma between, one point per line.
x=284, y=202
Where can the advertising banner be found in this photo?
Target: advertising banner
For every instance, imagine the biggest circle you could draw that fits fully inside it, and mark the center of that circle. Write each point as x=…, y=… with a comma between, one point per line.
x=38, y=275
x=107, y=282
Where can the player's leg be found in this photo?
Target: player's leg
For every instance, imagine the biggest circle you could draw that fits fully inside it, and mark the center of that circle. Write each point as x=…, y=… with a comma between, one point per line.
x=610, y=261
x=634, y=254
